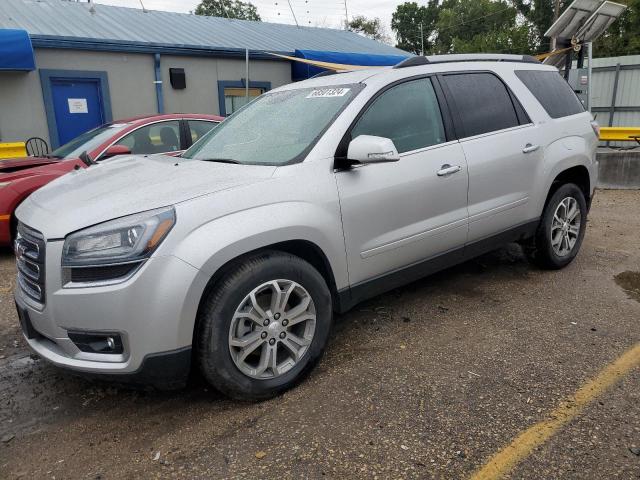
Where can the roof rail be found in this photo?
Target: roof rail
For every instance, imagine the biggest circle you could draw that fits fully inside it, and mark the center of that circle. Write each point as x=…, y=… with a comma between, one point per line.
x=471, y=57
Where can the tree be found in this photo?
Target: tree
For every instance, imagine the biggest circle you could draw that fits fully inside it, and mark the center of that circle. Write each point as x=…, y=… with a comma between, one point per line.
x=467, y=26
x=228, y=9
x=371, y=28
x=541, y=15
x=623, y=36
x=406, y=24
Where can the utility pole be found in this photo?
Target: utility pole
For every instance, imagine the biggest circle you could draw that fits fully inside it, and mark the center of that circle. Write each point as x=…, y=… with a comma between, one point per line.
x=421, y=40
x=556, y=14
x=346, y=15
x=246, y=84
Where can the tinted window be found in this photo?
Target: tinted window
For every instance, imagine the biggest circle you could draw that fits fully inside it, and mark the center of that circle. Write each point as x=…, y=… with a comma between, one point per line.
x=155, y=138
x=483, y=103
x=552, y=91
x=408, y=114
x=198, y=128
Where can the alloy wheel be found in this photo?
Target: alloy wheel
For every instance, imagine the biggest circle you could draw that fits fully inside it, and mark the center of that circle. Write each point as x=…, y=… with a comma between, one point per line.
x=565, y=226
x=272, y=329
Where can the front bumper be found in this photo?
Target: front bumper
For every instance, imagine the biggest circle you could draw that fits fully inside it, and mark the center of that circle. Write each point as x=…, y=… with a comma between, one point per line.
x=154, y=313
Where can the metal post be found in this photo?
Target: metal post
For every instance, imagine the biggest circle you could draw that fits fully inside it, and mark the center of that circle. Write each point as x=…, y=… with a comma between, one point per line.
x=568, y=60
x=158, y=83
x=246, y=76
x=612, y=108
x=589, y=74
x=580, y=63
x=421, y=40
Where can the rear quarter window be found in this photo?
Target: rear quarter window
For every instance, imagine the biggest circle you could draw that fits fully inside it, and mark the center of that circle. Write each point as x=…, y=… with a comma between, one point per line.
x=552, y=91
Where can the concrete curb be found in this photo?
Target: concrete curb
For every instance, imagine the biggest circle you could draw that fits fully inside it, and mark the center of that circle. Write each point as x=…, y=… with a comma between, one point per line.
x=619, y=169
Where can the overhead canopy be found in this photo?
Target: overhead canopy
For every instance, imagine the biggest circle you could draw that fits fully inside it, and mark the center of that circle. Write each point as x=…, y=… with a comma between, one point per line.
x=302, y=71
x=16, y=52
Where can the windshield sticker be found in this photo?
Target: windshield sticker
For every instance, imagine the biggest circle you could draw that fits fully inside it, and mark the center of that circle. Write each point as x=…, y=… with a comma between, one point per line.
x=328, y=92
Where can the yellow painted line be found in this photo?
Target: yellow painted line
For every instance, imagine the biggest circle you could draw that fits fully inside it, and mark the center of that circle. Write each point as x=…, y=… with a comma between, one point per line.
x=521, y=447
x=5, y=217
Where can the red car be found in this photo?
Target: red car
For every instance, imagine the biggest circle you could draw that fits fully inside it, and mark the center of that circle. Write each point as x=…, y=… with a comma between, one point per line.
x=169, y=134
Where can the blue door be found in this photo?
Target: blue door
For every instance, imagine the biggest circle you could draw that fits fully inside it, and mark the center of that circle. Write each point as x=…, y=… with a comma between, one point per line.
x=77, y=105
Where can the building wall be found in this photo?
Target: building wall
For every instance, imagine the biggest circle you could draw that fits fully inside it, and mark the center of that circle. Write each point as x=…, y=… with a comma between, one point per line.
x=21, y=107
x=131, y=85
x=627, y=101
x=202, y=75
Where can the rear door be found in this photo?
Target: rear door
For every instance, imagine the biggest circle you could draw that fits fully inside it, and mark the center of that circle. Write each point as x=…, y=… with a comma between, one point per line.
x=398, y=214
x=502, y=148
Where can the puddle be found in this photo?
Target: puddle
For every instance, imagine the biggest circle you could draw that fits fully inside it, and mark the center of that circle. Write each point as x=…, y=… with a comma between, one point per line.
x=630, y=282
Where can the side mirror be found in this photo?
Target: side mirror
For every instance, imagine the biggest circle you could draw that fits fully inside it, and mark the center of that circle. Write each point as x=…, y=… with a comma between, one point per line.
x=371, y=149
x=114, y=150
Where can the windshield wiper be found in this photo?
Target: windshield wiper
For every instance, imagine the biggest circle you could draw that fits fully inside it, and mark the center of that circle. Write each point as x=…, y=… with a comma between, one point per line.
x=219, y=160
x=51, y=155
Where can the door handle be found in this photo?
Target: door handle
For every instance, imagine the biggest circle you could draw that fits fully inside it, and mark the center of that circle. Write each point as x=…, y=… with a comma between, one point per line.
x=447, y=169
x=528, y=148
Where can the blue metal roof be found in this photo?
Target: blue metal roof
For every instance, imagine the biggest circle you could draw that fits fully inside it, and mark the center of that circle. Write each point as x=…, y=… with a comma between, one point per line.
x=16, y=52
x=60, y=24
x=302, y=71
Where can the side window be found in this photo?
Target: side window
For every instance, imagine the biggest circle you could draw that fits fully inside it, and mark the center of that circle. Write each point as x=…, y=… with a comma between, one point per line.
x=155, y=138
x=197, y=128
x=483, y=103
x=554, y=94
x=408, y=114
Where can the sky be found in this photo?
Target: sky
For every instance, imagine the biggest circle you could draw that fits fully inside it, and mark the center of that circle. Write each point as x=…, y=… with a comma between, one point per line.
x=314, y=13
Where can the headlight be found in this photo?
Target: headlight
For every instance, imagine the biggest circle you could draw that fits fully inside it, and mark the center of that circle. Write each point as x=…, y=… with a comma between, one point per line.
x=121, y=241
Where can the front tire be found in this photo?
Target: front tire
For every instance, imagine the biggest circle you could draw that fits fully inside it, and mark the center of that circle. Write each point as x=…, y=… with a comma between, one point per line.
x=561, y=229
x=264, y=326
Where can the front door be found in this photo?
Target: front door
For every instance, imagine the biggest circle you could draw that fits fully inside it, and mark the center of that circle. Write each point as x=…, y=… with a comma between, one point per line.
x=77, y=106
x=401, y=213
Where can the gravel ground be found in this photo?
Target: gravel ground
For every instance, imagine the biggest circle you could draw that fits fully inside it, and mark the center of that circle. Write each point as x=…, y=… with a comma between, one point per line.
x=427, y=381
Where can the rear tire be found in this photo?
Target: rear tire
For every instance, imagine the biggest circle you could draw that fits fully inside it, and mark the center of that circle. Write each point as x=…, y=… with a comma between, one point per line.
x=561, y=229
x=264, y=326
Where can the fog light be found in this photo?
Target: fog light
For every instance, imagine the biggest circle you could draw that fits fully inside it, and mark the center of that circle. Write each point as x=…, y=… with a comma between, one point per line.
x=107, y=343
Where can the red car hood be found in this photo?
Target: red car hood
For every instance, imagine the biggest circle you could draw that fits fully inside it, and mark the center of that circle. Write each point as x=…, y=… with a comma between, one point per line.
x=59, y=167
x=15, y=164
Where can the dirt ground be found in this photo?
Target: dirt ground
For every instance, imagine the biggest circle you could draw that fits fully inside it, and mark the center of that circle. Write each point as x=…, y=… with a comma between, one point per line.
x=427, y=381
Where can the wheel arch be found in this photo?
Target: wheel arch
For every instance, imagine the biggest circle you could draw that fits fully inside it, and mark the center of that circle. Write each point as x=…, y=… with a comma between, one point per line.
x=577, y=174
x=304, y=249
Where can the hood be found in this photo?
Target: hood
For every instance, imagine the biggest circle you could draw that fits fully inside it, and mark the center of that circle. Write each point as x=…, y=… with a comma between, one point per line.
x=128, y=185
x=50, y=170
x=9, y=165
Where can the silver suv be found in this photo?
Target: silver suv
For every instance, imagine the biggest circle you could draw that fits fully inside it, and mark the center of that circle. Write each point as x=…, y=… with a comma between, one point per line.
x=314, y=197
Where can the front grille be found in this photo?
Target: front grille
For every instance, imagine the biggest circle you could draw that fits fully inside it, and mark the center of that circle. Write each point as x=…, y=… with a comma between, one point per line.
x=30, y=249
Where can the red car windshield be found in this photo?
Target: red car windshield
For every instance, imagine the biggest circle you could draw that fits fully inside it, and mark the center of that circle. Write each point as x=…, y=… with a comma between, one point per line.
x=88, y=141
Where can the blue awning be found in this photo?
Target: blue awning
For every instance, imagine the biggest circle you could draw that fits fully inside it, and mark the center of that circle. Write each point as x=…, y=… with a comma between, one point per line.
x=302, y=71
x=16, y=52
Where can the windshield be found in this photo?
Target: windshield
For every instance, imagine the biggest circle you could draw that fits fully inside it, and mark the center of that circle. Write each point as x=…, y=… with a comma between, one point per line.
x=88, y=141
x=275, y=129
